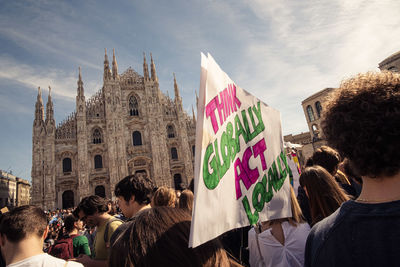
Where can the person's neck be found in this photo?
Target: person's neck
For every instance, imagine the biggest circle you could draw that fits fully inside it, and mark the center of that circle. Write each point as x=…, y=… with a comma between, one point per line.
x=140, y=208
x=380, y=189
x=74, y=232
x=28, y=247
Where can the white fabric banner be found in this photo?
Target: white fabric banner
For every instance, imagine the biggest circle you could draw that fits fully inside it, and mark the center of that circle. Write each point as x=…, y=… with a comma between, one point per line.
x=241, y=170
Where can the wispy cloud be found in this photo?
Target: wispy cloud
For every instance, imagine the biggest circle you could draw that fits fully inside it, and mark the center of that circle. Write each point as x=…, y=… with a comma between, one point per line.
x=63, y=84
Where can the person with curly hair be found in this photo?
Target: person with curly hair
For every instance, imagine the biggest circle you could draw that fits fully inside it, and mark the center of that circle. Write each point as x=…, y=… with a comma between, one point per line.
x=361, y=122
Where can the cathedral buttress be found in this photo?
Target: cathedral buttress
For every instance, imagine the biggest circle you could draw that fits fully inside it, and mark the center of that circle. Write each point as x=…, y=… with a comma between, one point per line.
x=114, y=116
x=49, y=156
x=157, y=129
x=38, y=135
x=82, y=145
x=183, y=136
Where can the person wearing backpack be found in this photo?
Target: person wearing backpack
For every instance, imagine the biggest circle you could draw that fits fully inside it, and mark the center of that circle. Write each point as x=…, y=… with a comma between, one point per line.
x=80, y=243
x=92, y=211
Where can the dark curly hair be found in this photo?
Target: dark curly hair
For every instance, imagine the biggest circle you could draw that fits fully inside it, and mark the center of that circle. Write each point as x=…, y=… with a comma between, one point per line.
x=360, y=122
x=137, y=185
x=92, y=204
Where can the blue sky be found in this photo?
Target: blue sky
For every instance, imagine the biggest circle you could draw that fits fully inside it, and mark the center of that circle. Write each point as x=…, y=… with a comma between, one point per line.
x=281, y=51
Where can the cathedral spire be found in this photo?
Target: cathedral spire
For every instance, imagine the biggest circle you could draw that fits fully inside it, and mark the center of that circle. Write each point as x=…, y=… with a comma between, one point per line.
x=114, y=66
x=107, y=71
x=194, y=116
x=39, y=111
x=80, y=85
x=176, y=88
x=145, y=68
x=197, y=99
x=49, y=108
x=153, y=69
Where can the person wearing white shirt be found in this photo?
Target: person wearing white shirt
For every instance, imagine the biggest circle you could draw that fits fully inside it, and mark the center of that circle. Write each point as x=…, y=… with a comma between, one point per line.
x=22, y=233
x=279, y=242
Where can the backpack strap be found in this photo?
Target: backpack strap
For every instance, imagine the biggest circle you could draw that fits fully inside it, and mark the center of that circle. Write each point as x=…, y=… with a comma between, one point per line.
x=106, y=240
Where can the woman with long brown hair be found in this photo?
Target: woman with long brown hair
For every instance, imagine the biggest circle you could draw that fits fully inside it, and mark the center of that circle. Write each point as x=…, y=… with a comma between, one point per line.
x=324, y=194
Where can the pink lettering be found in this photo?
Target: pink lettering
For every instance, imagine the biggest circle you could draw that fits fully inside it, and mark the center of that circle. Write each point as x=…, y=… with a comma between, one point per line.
x=241, y=176
x=210, y=108
x=227, y=103
x=259, y=149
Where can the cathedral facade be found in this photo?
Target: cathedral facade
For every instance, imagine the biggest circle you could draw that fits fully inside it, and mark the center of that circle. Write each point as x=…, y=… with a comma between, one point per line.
x=129, y=126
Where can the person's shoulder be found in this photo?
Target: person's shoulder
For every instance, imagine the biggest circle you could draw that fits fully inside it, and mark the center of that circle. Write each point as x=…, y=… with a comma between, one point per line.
x=115, y=222
x=324, y=230
x=80, y=238
x=45, y=260
x=323, y=227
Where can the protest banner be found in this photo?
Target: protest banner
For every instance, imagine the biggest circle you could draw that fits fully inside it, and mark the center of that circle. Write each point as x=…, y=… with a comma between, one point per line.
x=241, y=170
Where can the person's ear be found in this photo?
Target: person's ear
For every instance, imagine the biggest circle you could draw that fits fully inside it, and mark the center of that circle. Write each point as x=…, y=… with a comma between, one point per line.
x=46, y=231
x=132, y=199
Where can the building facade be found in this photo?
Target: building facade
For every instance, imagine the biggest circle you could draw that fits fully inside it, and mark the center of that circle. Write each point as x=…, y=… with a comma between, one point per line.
x=129, y=126
x=313, y=107
x=14, y=191
x=391, y=63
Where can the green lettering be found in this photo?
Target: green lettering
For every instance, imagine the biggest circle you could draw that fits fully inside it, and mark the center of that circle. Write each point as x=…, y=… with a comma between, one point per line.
x=225, y=153
x=234, y=147
x=260, y=126
x=253, y=218
x=211, y=180
x=284, y=160
x=240, y=131
x=258, y=192
x=268, y=193
x=246, y=124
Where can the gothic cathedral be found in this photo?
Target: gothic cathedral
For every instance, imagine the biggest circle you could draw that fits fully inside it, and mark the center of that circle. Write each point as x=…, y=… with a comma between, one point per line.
x=129, y=126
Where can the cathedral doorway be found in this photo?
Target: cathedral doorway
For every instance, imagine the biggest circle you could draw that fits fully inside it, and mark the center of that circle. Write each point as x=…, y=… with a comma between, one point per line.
x=178, y=181
x=100, y=191
x=68, y=199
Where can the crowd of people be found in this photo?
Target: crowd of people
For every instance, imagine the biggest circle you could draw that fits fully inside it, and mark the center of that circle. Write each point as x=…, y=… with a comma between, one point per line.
x=344, y=214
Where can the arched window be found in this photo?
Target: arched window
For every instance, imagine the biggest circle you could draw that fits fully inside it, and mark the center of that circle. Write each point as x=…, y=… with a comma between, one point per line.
x=98, y=162
x=174, y=153
x=310, y=113
x=133, y=106
x=178, y=181
x=100, y=191
x=170, y=131
x=67, y=165
x=318, y=107
x=137, y=138
x=96, y=136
